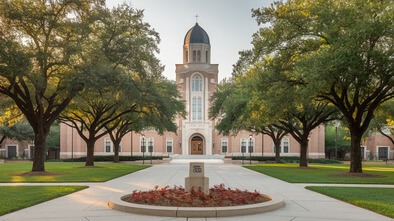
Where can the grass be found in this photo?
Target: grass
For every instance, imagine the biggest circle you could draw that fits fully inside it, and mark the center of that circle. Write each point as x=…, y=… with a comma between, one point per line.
x=380, y=200
x=70, y=170
x=14, y=198
x=319, y=175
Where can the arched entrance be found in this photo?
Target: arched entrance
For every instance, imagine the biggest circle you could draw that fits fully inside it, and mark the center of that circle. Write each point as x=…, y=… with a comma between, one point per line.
x=197, y=146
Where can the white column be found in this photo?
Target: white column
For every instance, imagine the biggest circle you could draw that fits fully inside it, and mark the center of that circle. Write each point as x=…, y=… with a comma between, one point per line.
x=187, y=100
x=206, y=100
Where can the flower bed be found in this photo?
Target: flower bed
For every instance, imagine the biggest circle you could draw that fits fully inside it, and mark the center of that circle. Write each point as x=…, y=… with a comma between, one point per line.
x=218, y=196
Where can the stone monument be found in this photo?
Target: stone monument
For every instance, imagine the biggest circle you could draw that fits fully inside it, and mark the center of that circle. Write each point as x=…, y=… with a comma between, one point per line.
x=196, y=178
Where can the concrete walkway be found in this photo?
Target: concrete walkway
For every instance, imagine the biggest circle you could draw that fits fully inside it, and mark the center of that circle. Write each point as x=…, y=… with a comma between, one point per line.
x=91, y=204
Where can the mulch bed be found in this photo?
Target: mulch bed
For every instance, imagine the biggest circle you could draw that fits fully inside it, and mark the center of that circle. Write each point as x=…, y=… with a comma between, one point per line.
x=89, y=167
x=301, y=168
x=37, y=173
x=366, y=175
x=178, y=197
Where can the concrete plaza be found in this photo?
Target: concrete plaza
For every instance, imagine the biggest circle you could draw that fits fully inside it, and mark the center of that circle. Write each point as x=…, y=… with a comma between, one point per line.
x=91, y=203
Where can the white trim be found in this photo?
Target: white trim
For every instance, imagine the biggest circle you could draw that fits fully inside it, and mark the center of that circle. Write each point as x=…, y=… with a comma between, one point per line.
x=282, y=146
x=11, y=145
x=28, y=149
x=221, y=145
x=377, y=151
x=111, y=145
x=365, y=152
x=172, y=145
x=147, y=144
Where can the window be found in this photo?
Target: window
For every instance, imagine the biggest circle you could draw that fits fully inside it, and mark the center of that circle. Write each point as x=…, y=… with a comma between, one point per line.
x=120, y=147
x=150, y=144
x=250, y=145
x=197, y=83
x=243, y=145
x=198, y=56
x=108, y=145
x=224, y=146
x=143, y=144
x=169, y=145
x=194, y=108
x=194, y=55
x=206, y=56
x=284, y=146
x=199, y=109
x=186, y=56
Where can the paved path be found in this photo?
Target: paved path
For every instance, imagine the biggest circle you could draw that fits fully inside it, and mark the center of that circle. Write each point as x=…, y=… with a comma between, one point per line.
x=91, y=204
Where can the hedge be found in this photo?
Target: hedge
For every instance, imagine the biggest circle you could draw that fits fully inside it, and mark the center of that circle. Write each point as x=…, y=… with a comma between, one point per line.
x=287, y=159
x=111, y=158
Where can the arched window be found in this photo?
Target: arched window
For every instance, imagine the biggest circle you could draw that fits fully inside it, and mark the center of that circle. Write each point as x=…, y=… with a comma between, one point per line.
x=199, y=109
x=194, y=55
x=206, y=56
x=198, y=56
x=151, y=144
x=169, y=145
x=224, y=145
x=284, y=146
x=243, y=145
x=194, y=101
x=197, y=83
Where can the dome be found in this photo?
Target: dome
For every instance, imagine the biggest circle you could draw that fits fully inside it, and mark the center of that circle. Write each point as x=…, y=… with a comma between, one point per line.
x=196, y=35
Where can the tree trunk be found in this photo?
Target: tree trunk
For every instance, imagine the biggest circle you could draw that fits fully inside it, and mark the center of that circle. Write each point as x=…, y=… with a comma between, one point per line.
x=303, y=157
x=355, y=154
x=39, y=152
x=277, y=151
x=90, y=153
x=116, y=150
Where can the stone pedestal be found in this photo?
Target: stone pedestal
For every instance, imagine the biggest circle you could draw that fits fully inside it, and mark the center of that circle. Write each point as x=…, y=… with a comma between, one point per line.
x=196, y=178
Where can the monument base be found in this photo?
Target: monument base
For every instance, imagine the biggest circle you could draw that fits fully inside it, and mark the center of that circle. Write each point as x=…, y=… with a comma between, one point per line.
x=197, y=182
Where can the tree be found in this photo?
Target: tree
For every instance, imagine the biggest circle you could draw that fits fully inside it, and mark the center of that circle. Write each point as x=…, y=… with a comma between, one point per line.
x=40, y=43
x=125, y=78
x=20, y=131
x=349, y=61
x=159, y=114
x=383, y=120
x=342, y=139
x=232, y=104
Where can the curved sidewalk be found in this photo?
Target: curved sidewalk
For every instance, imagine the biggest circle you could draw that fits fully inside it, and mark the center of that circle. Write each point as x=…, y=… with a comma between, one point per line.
x=91, y=203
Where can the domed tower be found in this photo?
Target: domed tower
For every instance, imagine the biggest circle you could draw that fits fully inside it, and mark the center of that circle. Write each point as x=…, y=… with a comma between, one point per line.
x=197, y=79
x=196, y=46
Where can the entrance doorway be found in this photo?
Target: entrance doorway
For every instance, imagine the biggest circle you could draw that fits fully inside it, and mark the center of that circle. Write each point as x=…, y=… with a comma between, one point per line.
x=11, y=152
x=197, y=145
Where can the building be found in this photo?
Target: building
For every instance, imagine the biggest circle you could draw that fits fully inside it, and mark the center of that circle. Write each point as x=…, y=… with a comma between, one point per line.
x=378, y=147
x=197, y=79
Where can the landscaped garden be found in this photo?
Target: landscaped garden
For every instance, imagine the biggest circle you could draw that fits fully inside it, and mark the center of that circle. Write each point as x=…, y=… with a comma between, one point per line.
x=333, y=173
x=14, y=198
x=380, y=200
x=66, y=172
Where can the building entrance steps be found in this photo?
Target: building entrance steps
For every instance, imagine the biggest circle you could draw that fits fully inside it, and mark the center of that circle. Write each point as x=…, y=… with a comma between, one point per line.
x=178, y=156
x=92, y=203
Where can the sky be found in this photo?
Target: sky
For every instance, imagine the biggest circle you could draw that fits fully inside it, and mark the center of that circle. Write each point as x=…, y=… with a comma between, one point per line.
x=229, y=25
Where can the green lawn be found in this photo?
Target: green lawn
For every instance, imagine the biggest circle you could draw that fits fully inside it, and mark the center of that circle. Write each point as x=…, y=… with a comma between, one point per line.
x=380, y=200
x=71, y=171
x=319, y=175
x=14, y=198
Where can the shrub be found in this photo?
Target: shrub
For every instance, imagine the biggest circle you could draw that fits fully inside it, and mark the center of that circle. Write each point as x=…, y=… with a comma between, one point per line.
x=288, y=159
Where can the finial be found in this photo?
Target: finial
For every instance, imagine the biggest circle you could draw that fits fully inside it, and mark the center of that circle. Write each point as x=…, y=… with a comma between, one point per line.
x=196, y=17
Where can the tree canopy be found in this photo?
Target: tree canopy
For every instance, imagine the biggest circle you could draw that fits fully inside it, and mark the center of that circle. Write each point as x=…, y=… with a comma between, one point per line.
x=345, y=58
x=40, y=55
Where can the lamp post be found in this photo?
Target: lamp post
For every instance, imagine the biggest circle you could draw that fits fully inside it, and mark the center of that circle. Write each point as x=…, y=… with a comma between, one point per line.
x=143, y=148
x=150, y=149
x=243, y=150
x=250, y=149
x=72, y=145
